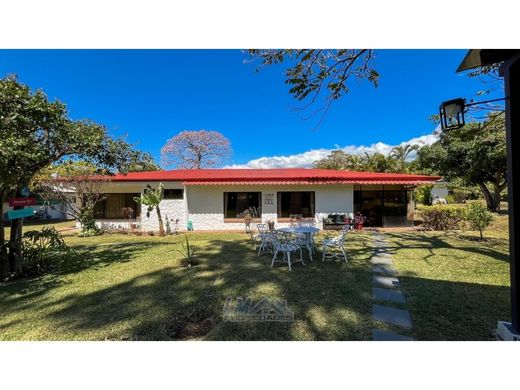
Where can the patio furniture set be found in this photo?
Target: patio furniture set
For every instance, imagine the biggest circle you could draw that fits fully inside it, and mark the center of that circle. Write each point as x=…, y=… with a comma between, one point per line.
x=296, y=238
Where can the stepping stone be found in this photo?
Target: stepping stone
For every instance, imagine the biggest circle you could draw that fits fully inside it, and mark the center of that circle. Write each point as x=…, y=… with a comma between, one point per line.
x=384, y=294
x=385, y=281
x=381, y=260
x=383, y=335
x=384, y=269
x=392, y=316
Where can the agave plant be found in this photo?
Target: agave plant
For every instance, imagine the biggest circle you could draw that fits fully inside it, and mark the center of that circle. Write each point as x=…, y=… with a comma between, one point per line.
x=188, y=254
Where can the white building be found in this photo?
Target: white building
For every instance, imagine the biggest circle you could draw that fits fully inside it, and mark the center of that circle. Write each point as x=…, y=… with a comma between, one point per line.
x=213, y=199
x=440, y=190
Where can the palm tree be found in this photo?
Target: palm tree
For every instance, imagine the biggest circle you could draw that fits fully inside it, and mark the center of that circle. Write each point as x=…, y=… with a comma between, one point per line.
x=400, y=154
x=355, y=162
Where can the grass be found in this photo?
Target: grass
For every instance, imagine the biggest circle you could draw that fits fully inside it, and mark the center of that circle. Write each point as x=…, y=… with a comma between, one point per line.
x=456, y=286
x=123, y=287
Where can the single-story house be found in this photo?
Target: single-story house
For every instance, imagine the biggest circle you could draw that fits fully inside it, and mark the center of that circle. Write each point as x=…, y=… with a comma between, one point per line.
x=213, y=199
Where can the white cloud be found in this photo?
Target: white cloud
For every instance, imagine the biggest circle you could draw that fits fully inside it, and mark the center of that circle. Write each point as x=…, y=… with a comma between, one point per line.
x=305, y=159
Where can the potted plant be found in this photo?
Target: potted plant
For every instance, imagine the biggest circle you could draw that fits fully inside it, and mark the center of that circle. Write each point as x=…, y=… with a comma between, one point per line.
x=359, y=220
x=270, y=224
x=249, y=214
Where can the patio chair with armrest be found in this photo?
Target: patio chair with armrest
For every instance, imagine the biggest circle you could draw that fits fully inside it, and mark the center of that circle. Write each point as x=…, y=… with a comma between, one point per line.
x=284, y=243
x=304, y=241
x=338, y=242
x=266, y=239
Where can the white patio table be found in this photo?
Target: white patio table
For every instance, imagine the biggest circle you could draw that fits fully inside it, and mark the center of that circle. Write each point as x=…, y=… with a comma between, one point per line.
x=306, y=230
x=300, y=229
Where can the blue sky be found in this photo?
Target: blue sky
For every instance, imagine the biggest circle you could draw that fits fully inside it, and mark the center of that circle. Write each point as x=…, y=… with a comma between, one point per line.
x=151, y=95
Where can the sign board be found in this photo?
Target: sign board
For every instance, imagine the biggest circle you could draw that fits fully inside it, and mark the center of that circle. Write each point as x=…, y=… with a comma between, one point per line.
x=15, y=214
x=13, y=202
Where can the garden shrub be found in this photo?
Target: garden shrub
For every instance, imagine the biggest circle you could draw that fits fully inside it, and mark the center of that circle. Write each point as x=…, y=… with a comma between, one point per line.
x=442, y=217
x=451, y=199
x=478, y=216
x=423, y=194
x=43, y=251
x=88, y=223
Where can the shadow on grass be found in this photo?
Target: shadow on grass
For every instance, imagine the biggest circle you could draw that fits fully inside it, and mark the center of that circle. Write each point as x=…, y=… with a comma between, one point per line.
x=331, y=300
x=432, y=242
x=83, y=257
x=446, y=310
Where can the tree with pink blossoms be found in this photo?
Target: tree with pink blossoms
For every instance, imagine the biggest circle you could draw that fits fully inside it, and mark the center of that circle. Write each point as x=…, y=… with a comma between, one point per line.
x=196, y=149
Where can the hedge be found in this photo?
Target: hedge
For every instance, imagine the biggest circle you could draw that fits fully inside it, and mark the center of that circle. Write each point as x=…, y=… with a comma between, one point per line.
x=442, y=217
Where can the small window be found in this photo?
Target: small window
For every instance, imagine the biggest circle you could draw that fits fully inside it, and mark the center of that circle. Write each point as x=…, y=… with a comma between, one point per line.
x=296, y=203
x=235, y=203
x=173, y=194
x=117, y=206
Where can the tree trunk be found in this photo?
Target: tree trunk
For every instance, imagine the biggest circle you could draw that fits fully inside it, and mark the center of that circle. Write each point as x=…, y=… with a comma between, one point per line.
x=492, y=200
x=15, y=245
x=161, y=225
x=497, y=191
x=4, y=260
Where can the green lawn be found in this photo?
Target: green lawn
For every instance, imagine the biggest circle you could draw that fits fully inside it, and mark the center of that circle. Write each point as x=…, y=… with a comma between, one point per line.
x=128, y=287
x=456, y=287
x=123, y=287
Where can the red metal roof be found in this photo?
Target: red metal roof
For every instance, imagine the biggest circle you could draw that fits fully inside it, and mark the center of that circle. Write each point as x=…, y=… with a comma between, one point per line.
x=274, y=177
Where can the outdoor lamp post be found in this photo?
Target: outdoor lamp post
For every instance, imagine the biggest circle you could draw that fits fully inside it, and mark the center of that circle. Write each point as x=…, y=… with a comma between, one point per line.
x=451, y=112
x=452, y=116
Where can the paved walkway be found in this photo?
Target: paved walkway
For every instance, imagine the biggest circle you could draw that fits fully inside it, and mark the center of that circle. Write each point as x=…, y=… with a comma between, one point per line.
x=385, y=289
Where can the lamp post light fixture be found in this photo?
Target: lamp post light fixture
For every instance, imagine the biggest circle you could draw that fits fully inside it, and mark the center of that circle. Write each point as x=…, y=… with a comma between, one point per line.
x=451, y=112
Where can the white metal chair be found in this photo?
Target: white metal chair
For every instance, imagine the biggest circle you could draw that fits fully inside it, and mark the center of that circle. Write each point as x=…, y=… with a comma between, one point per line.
x=309, y=222
x=266, y=239
x=284, y=242
x=304, y=241
x=337, y=242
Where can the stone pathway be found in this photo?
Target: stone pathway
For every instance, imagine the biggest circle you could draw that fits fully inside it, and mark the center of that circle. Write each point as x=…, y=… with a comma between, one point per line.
x=385, y=289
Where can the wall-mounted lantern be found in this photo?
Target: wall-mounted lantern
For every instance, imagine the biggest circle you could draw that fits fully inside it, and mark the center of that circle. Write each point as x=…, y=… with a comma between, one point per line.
x=451, y=112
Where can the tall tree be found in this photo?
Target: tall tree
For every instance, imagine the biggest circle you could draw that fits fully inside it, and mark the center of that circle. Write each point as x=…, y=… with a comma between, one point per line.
x=337, y=159
x=375, y=162
x=77, y=186
x=196, y=149
x=400, y=154
x=35, y=133
x=315, y=73
x=475, y=154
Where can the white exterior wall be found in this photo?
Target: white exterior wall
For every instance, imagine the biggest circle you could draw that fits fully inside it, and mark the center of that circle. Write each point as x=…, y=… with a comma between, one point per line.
x=440, y=190
x=206, y=203
x=171, y=209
